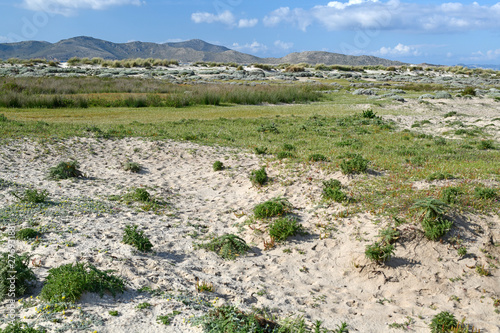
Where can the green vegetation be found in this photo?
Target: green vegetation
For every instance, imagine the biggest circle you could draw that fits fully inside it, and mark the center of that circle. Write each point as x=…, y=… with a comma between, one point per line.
x=259, y=177
x=32, y=195
x=443, y=322
x=136, y=238
x=218, y=166
x=24, y=275
x=132, y=167
x=27, y=234
x=354, y=165
x=65, y=170
x=227, y=246
x=68, y=282
x=167, y=319
x=379, y=252
x=283, y=228
x=332, y=191
x=21, y=327
x=274, y=207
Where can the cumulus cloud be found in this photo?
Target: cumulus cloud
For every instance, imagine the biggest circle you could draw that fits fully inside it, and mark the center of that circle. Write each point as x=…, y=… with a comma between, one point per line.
x=70, y=7
x=254, y=47
x=485, y=56
x=398, y=50
x=390, y=15
x=226, y=17
x=283, y=45
x=247, y=23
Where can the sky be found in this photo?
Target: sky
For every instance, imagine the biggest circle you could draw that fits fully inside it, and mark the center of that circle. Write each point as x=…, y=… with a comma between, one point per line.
x=435, y=32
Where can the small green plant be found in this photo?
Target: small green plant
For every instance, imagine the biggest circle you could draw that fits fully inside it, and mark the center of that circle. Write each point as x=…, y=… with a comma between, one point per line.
x=468, y=91
x=260, y=150
x=379, y=252
x=65, y=170
x=137, y=194
x=462, y=251
x=436, y=228
x=18, y=284
x=21, y=327
x=486, y=145
x=354, y=165
x=274, y=207
x=167, y=319
x=136, y=238
x=284, y=154
x=32, y=196
x=450, y=195
x=332, y=191
x=218, y=166
x=317, y=158
x=485, y=193
x=482, y=271
x=440, y=176
x=389, y=235
x=68, y=282
x=227, y=246
x=26, y=234
x=369, y=114
x=259, y=177
x=430, y=208
x=283, y=228
x=341, y=328
x=270, y=128
x=132, y=167
x=144, y=306
x=113, y=313
x=443, y=322
x=204, y=286
x=289, y=147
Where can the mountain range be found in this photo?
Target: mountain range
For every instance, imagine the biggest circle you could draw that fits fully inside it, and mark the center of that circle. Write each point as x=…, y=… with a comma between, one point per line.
x=185, y=52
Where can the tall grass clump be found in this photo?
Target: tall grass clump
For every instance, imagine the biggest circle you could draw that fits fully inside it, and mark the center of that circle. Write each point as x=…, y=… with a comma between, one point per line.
x=65, y=170
x=283, y=228
x=275, y=207
x=259, y=177
x=227, y=246
x=136, y=238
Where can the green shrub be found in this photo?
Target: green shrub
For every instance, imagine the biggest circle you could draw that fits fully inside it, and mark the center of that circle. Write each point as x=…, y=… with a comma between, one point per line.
x=317, y=158
x=486, y=144
x=288, y=147
x=355, y=165
x=65, y=170
x=332, y=191
x=284, y=154
x=229, y=319
x=430, y=208
x=388, y=235
x=23, y=275
x=218, y=166
x=144, y=305
x=271, y=128
x=450, y=195
x=436, y=228
x=261, y=150
x=485, y=193
x=32, y=196
x=21, y=327
x=167, y=319
x=379, y=252
x=68, y=282
x=283, y=228
x=443, y=322
x=3, y=118
x=137, y=194
x=440, y=176
x=227, y=246
x=26, y=234
x=136, y=238
x=113, y=313
x=368, y=114
x=259, y=177
x=132, y=167
x=274, y=207
x=468, y=91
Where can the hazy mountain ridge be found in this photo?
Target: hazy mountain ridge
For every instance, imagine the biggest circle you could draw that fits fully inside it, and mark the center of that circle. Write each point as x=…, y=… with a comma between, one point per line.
x=187, y=51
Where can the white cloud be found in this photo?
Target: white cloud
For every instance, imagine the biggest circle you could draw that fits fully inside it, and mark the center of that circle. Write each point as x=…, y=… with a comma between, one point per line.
x=70, y=7
x=226, y=17
x=379, y=15
x=283, y=45
x=5, y=39
x=398, y=50
x=254, y=47
x=247, y=23
x=485, y=56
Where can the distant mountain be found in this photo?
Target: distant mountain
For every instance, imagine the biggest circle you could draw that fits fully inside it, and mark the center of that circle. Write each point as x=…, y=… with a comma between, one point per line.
x=495, y=67
x=188, y=51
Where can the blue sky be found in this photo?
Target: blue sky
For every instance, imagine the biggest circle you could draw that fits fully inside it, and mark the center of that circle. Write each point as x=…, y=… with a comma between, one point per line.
x=437, y=32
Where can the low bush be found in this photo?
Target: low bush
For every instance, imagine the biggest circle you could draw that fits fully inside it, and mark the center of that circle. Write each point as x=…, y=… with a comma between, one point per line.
x=136, y=238
x=23, y=276
x=218, y=166
x=137, y=194
x=68, y=282
x=132, y=167
x=227, y=246
x=259, y=177
x=379, y=252
x=274, y=207
x=26, y=234
x=450, y=195
x=21, y=327
x=389, y=235
x=283, y=228
x=436, y=228
x=354, y=165
x=284, y=154
x=440, y=176
x=486, y=145
x=443, y=322
x=332, y=191
x=430, y=208
x=32, y=196
x=260, y=150
x=65, y=170
x=317, y=158
x=485, y=193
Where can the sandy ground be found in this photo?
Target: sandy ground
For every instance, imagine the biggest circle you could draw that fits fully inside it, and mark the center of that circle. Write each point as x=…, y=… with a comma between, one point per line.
x=325, y=275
